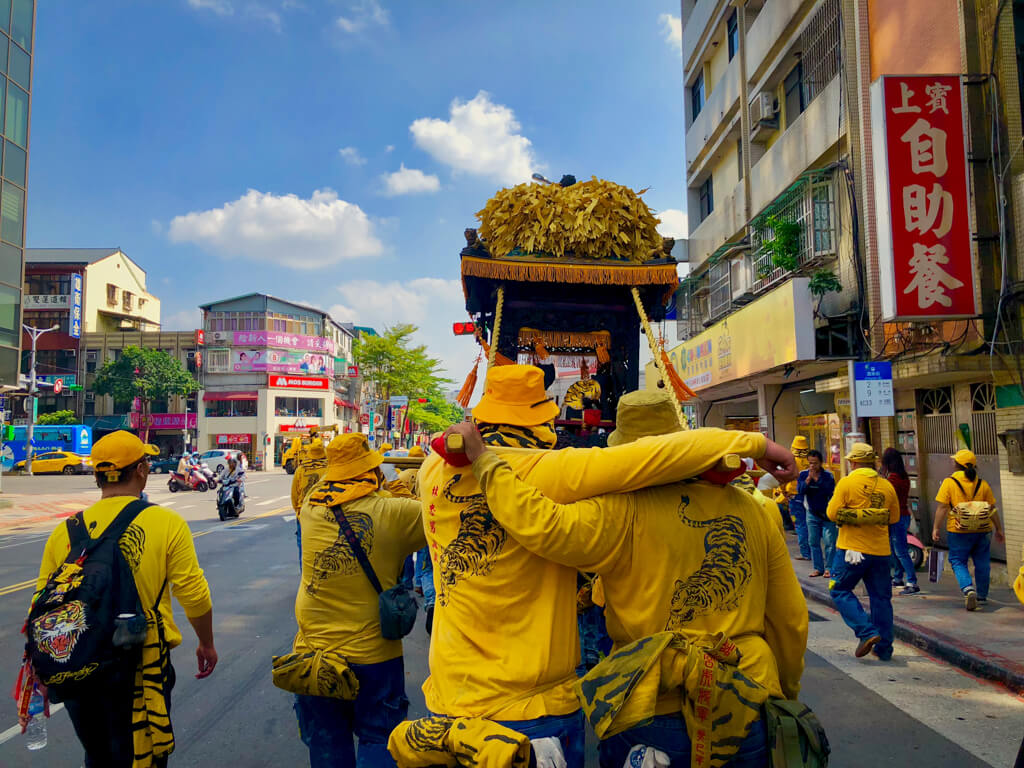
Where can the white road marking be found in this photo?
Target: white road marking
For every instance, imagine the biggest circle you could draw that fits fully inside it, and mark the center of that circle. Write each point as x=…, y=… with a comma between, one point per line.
x=15, y=730
x=288, y=518
x=981, y=717
x=271, y=501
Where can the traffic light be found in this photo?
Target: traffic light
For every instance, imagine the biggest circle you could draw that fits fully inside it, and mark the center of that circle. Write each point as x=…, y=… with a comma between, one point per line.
x=464, y=329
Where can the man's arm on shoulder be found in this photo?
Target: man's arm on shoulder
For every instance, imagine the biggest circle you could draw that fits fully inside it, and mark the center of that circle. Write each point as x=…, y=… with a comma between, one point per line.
x=838, y=500
x=587, y=534
x=580, y=473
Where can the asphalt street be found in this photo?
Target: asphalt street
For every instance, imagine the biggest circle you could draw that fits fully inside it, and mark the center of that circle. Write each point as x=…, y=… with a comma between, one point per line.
x=912, y=711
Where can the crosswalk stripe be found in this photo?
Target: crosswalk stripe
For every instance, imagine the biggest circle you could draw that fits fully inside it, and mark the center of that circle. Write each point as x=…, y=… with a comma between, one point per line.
x=271, y=501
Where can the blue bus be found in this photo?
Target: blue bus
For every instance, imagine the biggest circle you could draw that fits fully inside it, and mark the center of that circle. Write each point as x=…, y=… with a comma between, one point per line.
x=76, y=438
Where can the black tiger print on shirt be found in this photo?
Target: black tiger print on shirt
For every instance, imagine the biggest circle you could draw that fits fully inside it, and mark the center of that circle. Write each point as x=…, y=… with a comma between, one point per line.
x=479, y=541
x=338, y=558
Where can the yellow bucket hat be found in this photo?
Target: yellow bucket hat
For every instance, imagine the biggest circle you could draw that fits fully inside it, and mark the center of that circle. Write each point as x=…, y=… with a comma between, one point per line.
x=515, y=395
x=799, y=443
x=119, y=450
x=316, y=449
x=416, y=452
x=643, y=413
x=349, y=456
x=963, y=457
x=385, y=447
x=861, y=453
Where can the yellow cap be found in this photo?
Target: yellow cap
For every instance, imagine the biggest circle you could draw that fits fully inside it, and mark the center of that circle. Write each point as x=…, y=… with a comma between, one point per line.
x=964, y=457
x=799, y=443
x=119, y=450
x=416, y=451
x=385, y=447
x=861, y=453
x=643, y=413
x=349, y=456
x=515, y=395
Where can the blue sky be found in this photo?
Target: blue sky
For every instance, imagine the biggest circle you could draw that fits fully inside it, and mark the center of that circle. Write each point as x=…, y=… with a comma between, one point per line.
x=330, y=151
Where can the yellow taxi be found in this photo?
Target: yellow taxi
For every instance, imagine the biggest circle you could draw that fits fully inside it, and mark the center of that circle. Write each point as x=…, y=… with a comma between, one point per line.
x=58, y=462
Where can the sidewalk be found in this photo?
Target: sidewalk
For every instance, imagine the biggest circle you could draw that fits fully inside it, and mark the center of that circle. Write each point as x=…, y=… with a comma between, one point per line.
x=20, y=510
x=986, y=643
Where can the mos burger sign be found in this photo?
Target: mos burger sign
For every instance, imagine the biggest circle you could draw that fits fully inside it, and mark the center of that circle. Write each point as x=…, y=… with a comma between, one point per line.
x=282, y=381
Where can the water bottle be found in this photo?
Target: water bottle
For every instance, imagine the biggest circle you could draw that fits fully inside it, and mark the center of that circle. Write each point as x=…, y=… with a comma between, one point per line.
x=35, y=731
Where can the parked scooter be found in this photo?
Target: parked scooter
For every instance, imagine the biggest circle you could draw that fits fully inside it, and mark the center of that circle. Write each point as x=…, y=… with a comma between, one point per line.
x=916, y=549
x=194, y=481
x=230, y=501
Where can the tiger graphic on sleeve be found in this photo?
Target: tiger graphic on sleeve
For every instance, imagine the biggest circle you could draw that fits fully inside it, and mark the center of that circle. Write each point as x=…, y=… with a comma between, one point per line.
x=132, y=544
x=338, y=558
x=478, y=543
x=724, y=573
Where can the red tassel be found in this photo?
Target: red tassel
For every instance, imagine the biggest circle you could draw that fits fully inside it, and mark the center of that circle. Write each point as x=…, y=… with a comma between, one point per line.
x=602, y=354
x=540, y=349
x=466, y=393
x=682, y=391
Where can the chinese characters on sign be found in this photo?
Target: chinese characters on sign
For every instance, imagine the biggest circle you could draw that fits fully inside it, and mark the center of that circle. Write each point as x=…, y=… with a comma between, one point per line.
x=46, y=301
x=75, y=326
x=286, y=340
x=873, y=389
x=924, y=237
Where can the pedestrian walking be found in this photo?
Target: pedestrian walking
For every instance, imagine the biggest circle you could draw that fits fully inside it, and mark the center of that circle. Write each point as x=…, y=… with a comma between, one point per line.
x=709, y=563
x=968, y=508
x=796, y=499
x=122, y=716
x=349, y=679
x=311, y=463
x=864, y=505
x=506, y=642
x=816, y=484
x=904, y=573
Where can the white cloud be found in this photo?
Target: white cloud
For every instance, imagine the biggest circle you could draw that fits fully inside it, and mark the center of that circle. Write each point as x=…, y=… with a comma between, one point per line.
x=184, y=320
x=409, y=181
x=351, y=156
x=282, y=229
x=389, y=148
x=368, y=13
x=220, y=7
x=672, y=30
x=431, y=303
x=480, y=137
x=266, y=15
x=673, y=223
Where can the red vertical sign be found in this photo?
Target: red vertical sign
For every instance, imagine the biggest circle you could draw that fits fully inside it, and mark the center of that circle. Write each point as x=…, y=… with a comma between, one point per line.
x=924, y=234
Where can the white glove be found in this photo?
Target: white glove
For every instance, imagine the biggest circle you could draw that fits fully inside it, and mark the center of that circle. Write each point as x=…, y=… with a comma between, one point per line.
x=642, y=756
x=548, y=752
x=853, y=557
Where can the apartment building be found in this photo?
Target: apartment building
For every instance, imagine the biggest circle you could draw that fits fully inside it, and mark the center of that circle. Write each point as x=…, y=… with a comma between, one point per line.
x=799, y=214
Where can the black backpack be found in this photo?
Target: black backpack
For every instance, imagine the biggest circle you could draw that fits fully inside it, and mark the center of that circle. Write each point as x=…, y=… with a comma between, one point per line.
x=87, y=623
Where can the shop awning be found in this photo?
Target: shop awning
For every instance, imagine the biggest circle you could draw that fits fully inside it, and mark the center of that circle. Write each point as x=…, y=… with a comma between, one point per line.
x=229, y=395
x=344, y=403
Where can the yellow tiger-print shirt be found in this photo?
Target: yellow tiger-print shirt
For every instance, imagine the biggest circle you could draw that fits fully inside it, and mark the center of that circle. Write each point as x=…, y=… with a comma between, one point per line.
x=505, y=617
x=584, y=389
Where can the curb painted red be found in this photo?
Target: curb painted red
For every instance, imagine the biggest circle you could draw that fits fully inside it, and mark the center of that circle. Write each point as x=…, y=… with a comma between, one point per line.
x=972, y=659
x=37, y=519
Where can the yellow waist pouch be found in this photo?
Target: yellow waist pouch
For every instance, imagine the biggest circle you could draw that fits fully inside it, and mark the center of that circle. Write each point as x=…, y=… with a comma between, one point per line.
x=866, y=516
x=316, y=673
x=973, y=517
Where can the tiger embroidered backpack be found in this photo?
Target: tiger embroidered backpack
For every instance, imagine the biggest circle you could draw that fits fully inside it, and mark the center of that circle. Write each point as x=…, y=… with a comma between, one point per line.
x=88, y=621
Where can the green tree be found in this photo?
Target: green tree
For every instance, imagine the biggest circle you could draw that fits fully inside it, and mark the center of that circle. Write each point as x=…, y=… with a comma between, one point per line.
x=57, y=417
x=148, y=374
x=436, y=415
x=395, y=366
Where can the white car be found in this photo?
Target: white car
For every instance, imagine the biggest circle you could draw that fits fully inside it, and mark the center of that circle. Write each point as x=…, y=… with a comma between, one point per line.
x=217, y=459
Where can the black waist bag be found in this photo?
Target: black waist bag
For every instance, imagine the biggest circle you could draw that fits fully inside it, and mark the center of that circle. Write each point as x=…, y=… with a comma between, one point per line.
x=88, y=622
x=397, y=605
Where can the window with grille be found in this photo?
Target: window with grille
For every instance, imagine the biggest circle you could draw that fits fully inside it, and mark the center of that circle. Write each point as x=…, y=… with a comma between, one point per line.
x=937, y=410
x=218, y=360
x=823, y=213
x=984, y=438
x=720, y=298
x=821, y=50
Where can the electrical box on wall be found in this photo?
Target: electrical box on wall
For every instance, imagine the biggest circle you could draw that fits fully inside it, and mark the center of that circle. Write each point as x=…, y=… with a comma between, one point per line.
x=1013, y=441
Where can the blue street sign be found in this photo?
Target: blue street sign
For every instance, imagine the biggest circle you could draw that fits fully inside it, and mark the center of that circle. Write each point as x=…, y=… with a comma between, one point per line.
x=873, y=389
x=76, y=307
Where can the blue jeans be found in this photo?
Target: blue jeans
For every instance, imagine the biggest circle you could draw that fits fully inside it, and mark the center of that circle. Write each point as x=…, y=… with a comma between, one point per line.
x=874, y=572
x=668, y=733
x=425, y=576
x=796, y=509
x=821, y=530
x=568, y=729
x=595, y=643
x=408, y=574
x=902, y=565
x=327, y=726
x=976, y=547
x=298, y=539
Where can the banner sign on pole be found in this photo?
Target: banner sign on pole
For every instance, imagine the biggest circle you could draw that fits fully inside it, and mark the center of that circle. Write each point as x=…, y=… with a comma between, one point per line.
x=75, y=327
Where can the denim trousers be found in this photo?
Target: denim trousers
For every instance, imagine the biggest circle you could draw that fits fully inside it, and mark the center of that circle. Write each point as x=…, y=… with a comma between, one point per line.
x=902, y=565
x=568, y=729
x=668, y=733
x=425, y=577
x=796, y=509
x=595, y=643
x=328, y=726
x=821, y=531
x=974, y=546
x=874, y=572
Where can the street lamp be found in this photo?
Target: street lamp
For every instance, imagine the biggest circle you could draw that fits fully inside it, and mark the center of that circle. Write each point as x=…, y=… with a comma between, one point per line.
x=33, y=391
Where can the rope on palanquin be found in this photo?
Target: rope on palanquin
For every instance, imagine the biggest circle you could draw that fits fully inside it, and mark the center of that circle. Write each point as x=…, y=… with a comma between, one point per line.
x=493, y=351
x=659, y=357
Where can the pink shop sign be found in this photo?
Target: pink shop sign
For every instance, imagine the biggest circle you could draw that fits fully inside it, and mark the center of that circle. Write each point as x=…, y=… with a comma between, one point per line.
x=172, y=421
x=286, y=340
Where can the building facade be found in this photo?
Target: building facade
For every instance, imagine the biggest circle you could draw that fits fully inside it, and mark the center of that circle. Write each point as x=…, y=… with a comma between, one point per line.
x=271, y=369
x=797, y=219
x=80, y=291
x=17, y=27
x=172, y=420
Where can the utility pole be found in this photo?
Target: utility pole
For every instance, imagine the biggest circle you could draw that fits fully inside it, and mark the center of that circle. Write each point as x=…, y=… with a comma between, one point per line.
x=33, y=392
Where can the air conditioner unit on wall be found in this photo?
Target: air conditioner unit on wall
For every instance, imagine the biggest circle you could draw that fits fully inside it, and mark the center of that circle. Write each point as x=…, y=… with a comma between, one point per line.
x=221, y=335
x=90, y=397
x=764, y=118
